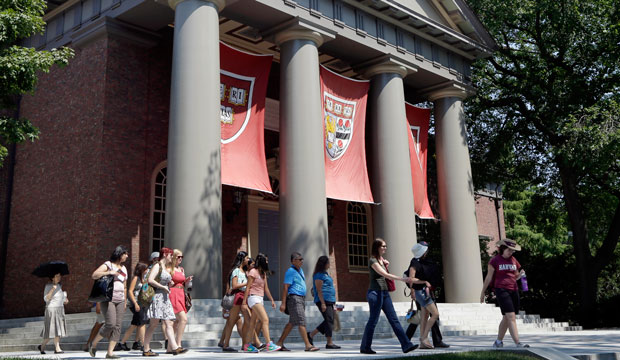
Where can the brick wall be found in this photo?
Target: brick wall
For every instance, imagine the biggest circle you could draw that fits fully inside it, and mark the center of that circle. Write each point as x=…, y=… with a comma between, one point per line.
x=486, y=217
x=84, y=187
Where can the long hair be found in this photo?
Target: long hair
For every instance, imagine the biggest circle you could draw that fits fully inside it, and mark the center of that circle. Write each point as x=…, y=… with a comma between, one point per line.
x=175, y=260
x=118, y=252
x=501, y=249
x=241, y=255
x=262, y=265
x=246, y=267
x=163, y=253
x=139, y=269
x=375, y=247
x=321, y=264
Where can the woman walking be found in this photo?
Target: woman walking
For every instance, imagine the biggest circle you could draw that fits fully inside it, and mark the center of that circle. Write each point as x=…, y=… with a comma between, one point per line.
x=161, y=307
x=506, y=270
x=139, y=319
x=420, y=277
x=379, y=299
x=237, y=280
x=255, y=290
x=112, y=310
x=177, y=295
x=55, y=325
x=324, y=298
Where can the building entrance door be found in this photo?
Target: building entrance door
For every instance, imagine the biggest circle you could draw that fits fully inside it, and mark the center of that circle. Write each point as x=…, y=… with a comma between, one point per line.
x=269, y=244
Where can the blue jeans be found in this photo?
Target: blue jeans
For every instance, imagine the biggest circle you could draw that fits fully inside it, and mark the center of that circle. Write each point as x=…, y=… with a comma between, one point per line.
x=377, y=301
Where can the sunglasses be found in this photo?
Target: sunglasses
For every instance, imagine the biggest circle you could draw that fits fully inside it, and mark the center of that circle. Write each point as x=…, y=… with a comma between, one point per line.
x=180, y=257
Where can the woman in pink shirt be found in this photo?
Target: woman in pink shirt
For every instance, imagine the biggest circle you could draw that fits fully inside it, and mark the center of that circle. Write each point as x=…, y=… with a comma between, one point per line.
x=254, y=292
x=506, y=270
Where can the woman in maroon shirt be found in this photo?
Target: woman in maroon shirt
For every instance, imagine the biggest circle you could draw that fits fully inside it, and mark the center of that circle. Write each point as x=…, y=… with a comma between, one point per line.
x=505, y=270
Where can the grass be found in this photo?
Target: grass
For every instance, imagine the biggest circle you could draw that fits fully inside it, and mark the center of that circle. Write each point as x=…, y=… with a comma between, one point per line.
x=476, y=355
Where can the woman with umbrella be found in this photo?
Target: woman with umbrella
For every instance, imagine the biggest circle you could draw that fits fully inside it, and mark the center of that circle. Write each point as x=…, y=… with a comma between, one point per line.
x=55, y=299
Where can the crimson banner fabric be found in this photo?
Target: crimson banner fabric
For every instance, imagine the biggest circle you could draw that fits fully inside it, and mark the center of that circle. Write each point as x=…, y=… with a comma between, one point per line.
x=418, y=120
x=344, y=124
x=243, y=88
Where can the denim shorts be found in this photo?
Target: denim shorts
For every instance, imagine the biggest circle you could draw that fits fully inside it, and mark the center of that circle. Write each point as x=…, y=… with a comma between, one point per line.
x=422, y=298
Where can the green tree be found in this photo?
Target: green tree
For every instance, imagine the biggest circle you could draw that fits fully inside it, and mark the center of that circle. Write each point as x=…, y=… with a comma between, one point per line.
x=547, y=115
x=19, y=66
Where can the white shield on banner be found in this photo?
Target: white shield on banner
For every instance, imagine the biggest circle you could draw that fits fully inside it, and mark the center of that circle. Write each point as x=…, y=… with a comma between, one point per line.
x=415, y=135
x=235, y=104
x=338, y=115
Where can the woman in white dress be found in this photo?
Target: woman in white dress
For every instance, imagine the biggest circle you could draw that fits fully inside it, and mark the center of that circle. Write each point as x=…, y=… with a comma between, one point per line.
x=55, y=325
x=161, y=306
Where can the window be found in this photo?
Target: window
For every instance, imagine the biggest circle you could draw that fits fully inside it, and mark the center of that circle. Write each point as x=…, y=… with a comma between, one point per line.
x=357, y=236
x=158, y=207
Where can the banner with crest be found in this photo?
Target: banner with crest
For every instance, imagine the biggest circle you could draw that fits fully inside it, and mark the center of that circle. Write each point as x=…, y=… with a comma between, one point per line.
x=243, y=88
x=344, y=124
x=418, y=120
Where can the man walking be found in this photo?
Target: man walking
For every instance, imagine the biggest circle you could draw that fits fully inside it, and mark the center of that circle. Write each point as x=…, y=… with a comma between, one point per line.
x=295, y=304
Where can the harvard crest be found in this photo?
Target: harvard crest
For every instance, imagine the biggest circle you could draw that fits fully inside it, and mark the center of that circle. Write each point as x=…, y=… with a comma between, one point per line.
x=235, y=104
x=339, y=115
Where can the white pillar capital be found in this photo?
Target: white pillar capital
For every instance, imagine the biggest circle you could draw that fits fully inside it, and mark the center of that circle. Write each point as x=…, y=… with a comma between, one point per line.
x=386, y=64
x=219, y=4
x=298, y=29
x=449, y=89
x=299, y=34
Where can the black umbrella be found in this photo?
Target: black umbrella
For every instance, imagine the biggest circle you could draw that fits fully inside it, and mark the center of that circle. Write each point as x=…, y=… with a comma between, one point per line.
x=49, y=269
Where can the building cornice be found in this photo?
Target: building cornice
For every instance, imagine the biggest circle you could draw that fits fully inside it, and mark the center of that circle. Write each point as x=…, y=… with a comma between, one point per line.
x=219, y=4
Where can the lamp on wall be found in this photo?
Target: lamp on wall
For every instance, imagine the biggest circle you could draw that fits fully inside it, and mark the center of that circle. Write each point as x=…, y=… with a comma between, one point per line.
x=330, y=211
x=237, y=199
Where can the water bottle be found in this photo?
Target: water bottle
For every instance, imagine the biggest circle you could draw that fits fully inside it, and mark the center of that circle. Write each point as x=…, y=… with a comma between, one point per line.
x=524, y=286
x=189, y=285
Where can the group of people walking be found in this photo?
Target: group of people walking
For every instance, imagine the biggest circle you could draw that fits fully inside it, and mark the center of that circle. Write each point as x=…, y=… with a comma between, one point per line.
x=247, y=284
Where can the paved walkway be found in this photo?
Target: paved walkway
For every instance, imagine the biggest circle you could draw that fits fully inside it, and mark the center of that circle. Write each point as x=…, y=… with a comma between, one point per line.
x=573, y=343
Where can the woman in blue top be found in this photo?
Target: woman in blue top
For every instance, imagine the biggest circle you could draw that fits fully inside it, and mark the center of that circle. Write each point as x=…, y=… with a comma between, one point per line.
x=324, y=298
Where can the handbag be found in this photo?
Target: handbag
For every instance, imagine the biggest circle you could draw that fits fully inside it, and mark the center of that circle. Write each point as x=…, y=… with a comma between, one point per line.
x=188, y=301
x=102, y=289
x=413, y=316
x=145, y=296
x=390, y=283
x=228, y=301
x=337, y=325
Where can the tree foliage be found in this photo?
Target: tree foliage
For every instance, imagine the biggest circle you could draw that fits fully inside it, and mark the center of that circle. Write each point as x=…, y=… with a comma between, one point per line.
x=546, y=121
x=19, y=66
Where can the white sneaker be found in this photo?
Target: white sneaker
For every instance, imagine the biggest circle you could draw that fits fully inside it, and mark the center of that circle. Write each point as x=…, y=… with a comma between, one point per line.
x=522, y=345
x=498, y=344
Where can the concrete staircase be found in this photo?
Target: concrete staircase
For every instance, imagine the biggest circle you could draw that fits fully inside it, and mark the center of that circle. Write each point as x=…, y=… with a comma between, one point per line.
x=206, y=324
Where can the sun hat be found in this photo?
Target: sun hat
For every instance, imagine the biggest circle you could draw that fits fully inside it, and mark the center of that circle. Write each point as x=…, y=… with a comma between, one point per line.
x=509, y=243
x=419, y=249
x=154, y=255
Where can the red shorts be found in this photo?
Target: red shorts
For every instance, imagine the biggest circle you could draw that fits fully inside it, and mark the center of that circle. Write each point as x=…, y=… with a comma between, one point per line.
x=239, y=298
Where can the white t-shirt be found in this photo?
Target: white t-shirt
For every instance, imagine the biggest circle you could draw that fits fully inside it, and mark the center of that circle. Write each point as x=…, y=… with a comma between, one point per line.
x=119, y=282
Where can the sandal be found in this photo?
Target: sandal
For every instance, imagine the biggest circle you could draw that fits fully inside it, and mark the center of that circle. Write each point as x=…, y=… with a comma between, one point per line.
x=425, y=344
x=314, y=348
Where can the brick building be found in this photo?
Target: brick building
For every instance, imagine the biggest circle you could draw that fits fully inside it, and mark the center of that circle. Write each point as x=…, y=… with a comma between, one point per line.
x=107, y=168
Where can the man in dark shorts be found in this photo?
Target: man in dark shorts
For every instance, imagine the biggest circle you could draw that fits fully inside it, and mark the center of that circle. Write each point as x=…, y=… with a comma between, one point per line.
x=295, y=302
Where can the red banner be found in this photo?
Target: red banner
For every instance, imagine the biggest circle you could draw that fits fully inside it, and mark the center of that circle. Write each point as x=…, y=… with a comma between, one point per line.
x=418, y=119
x=243, y=88
x=344, y=124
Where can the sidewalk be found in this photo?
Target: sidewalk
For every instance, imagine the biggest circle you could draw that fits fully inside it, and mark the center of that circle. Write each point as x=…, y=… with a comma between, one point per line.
x=593, y=343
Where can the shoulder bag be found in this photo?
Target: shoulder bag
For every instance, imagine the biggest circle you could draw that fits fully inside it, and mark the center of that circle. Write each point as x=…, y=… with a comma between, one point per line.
x=145, y=296
x=102, y=289
x=413, y=316
x=390, y=283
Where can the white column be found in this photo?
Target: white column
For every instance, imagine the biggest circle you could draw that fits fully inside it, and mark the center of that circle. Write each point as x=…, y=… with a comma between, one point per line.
x=303, y=207
x=390, y=167
x=459, y=231
x=193, y=191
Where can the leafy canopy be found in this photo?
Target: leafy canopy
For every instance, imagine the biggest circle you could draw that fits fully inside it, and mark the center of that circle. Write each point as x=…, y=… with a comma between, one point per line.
x=19, y=66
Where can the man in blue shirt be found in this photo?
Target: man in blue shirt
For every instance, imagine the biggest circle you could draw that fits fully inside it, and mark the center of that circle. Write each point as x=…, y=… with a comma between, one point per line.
x=295, y=303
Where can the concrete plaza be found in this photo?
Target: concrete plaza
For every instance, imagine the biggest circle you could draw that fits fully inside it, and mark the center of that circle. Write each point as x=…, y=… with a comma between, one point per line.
x=591, y=344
